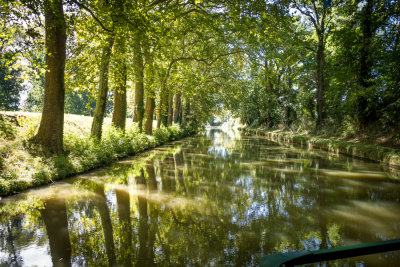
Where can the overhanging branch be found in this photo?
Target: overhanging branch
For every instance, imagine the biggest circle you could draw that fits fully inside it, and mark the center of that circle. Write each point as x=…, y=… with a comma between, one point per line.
x=93, y=15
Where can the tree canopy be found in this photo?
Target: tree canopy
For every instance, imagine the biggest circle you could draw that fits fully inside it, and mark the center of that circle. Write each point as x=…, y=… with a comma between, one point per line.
x=302, y=65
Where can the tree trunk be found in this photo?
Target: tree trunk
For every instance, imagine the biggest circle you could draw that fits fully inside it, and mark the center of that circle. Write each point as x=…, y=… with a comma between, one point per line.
x=365, y=57
x=134, y=115
x=158, y=115
x=150, y=94
x=119, y=111
x=180, y=115
x=101, y=100
x=162, y=116
x=50, y=133
x=320, y=80
x=170, y=108
x=164, y=106
x=178, y=108
x=187, y=111
x=365, y=115
x=139, y=88
x=269, y=91
x=150, y=105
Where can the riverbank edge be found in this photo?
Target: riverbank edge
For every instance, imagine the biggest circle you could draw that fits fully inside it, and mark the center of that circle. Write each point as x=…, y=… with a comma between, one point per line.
x=14, y=187
x=386, y=156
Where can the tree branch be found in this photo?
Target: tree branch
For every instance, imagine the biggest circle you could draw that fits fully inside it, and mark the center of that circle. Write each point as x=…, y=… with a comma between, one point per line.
x=93, y=15
x=316, y=13
x=308, y=14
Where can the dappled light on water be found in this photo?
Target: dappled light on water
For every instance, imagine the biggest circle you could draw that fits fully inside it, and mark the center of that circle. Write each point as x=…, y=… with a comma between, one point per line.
x=218, y=199
x=358, y=175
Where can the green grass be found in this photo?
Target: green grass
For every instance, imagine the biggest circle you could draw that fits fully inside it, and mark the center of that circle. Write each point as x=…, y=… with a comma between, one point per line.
x=25, y=165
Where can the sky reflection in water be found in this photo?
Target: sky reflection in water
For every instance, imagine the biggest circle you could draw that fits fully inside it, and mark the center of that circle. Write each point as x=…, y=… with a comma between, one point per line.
x=219, y=199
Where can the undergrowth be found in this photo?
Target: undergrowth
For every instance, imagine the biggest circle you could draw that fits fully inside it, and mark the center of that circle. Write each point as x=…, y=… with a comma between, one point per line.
x=24, y=165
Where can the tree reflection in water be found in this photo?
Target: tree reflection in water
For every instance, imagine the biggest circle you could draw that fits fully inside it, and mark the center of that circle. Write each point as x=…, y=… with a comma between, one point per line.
x=211, y=200
x=55, y=219
x=125, y=227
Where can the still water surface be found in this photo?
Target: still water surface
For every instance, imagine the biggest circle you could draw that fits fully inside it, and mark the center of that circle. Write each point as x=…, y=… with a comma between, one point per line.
x=215, y=200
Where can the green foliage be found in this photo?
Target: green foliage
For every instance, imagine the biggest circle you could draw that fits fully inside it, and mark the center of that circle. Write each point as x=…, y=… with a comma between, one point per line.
x=191, y=128
x=174, y=132
x=35, y=77
x=29, y=126
x=79, y=102
x=256, y=59
x=161, y=135
x=27, y=165
x=277, y=88
x=10, y=66
x=10, y=88
x=7, y=126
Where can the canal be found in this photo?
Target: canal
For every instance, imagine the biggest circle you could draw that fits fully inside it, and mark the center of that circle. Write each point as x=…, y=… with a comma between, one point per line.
x=220, y=199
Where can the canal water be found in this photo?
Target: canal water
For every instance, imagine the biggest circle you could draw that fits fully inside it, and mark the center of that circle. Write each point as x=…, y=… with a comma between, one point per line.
x=216, y=200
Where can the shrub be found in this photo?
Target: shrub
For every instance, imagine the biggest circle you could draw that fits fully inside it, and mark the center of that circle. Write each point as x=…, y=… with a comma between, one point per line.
x=161, y=135
x=190, y=128
x=7, y=129
x=29, y=126
x=174, y=132
x=28, y=165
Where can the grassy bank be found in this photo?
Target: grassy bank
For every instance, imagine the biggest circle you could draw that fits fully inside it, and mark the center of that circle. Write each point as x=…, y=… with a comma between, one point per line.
x=384, y=155
x=24, y=165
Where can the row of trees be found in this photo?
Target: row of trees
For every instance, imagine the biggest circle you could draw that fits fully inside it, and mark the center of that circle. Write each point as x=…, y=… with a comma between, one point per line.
x=303, y=64
x=166, y=51
x=321, y=64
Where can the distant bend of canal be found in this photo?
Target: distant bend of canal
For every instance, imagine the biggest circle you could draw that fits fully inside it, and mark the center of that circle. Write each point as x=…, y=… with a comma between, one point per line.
x=219, y=199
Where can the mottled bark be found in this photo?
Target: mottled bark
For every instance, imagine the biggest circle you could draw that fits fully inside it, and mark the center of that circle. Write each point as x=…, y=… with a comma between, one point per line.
x=162, y=111
x=119, y=111
x=164, y=114
x=101, y=100
x=178, y=108
x=158, y=114
x=139, y=85
x=150, y=95
x=170, y=108
x=150, y=105
x=50, y=133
